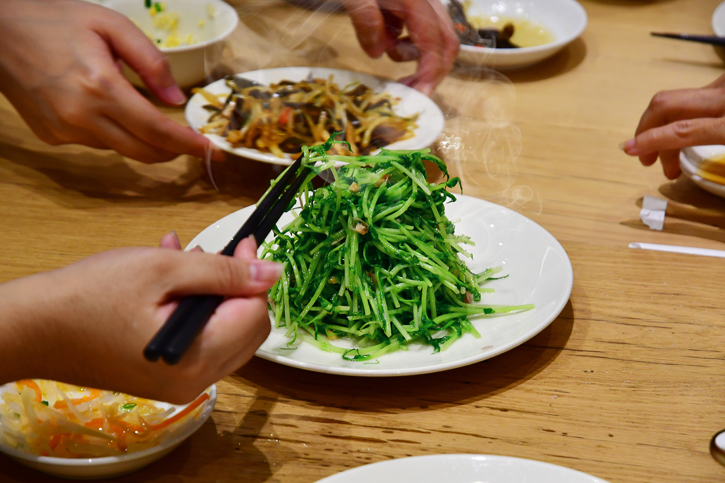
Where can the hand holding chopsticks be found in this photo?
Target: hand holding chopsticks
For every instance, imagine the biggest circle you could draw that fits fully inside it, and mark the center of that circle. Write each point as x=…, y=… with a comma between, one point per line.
x=193, y=312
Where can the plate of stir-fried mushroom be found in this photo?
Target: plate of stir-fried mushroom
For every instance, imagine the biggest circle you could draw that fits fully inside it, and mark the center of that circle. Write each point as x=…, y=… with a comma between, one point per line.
x=268, y=115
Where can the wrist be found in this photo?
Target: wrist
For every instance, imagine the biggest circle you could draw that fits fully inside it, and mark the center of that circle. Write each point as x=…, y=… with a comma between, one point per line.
x=28, y=328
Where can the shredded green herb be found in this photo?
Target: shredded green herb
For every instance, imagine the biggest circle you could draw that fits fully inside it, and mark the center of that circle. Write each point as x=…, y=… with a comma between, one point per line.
x=128, y=406
x=372, y=257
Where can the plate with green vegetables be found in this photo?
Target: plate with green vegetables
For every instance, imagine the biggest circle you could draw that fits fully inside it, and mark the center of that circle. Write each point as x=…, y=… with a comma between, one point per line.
x=387, y=274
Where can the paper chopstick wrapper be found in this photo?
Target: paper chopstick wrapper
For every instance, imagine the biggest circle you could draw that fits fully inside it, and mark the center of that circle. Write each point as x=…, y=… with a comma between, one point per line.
x=705, y=252
x=653, y=212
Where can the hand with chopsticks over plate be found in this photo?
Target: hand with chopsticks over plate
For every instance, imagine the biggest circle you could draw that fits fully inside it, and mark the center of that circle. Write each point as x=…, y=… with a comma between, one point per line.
x=678, y=119
x=87, y=323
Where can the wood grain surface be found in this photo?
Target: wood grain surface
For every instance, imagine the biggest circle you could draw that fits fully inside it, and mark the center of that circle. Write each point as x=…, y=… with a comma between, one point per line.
x=626, y=384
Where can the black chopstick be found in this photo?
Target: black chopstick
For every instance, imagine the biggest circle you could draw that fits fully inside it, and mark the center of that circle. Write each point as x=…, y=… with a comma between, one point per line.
x=193, y=312
x=703, y=39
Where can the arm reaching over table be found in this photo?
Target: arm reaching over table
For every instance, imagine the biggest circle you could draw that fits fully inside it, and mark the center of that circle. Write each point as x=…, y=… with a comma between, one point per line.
x=88, y=323
x=431, y=39
x=678, y=119
x=60, y=68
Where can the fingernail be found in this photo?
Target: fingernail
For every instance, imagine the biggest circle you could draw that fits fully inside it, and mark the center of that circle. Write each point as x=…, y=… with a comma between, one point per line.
x=265, y=271
x=173, y=95
x=628, y=147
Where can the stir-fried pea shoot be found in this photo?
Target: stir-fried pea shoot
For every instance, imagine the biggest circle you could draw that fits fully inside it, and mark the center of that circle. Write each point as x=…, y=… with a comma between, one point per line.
x=373, y=257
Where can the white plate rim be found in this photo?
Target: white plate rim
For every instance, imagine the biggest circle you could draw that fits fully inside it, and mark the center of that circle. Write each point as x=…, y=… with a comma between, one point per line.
x=431, y=115
x=719, y=14
x=125, y=458
x=573, y=476
x=690, y=171
x=430, y=368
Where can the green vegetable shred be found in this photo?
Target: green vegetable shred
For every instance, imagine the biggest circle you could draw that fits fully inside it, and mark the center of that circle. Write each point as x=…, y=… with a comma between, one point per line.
x=372, y=257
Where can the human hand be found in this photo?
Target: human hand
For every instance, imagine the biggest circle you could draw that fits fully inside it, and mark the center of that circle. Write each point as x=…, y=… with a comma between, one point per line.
x=431, y=41
x=677, y=119
x=60, y=68
x=88, y=323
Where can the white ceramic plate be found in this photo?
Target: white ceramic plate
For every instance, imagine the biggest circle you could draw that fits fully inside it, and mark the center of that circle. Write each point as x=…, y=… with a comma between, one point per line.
x=110, y=466
x=690, y=158
x=462, y=468
x=565, y=19
x=539, y=272
x=430, y=120
x=718, y=20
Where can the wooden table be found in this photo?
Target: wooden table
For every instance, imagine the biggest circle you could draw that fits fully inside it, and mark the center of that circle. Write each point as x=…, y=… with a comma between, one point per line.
x=627, y=384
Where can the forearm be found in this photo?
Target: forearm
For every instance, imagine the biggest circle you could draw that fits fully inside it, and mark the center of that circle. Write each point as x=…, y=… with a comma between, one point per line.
x=26, y=326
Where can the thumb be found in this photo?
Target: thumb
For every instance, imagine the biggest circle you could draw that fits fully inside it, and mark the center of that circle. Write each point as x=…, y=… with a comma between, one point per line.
x=206, y=273
x=137, y=50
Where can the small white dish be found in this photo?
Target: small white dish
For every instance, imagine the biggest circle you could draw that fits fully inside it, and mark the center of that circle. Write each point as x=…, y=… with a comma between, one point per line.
x=462, y=468
x=690, y=160
x=539, y=272
x=718, y=20
x=430, y=120
x=190, y=64
x=565, y=19
x=110, y=466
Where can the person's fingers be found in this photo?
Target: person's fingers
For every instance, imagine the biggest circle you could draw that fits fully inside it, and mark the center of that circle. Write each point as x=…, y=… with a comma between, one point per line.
x=394, y=21
x=236, y=330
x=670, y=160
x=127, y=144
x=677, y=105
x=424, y=28
x=170, y=240
x=247, y=249
x=648, y=159
x=677, y=135
x=451, y=43
x=140, y=117
x=369, y=26
x=403, y=50
x=719, y=82
x=206, y=273
x=137, y=50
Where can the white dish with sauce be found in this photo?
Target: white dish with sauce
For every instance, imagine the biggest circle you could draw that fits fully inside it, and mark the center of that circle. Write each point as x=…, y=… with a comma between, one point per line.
x=705, y=166
x=561, y=20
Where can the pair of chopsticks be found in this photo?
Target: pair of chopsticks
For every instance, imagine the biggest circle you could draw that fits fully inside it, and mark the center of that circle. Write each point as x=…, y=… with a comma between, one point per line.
x=703, y=39
x=193, y=312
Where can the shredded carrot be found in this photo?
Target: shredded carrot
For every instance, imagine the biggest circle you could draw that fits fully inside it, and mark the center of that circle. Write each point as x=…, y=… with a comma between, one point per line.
x=96, y=423
x=181, y=413
x=34, y=386
x=56, y=439
x=60, y=404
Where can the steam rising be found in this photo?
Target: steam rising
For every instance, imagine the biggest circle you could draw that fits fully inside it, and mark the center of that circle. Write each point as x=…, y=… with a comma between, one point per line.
x=480, y=142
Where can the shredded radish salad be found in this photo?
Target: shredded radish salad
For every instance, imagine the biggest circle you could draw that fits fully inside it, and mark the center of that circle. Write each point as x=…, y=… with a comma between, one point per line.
x=49, y=418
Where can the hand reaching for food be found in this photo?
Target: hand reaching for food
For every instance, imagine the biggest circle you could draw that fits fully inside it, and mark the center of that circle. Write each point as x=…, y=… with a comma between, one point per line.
x=678, y=119
x=431, y=39
x=88, y=323
x=59, y=67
